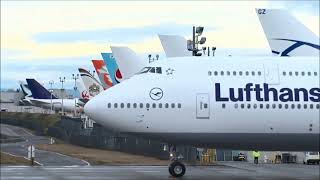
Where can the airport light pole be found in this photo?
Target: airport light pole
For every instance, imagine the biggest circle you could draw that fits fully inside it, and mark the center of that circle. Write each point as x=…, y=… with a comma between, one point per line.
x=51, y=91
x=193, y=44
x=62, y=80
x=75, y=77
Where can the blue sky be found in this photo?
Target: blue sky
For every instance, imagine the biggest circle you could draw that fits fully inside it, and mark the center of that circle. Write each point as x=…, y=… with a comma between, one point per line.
x=45, y=40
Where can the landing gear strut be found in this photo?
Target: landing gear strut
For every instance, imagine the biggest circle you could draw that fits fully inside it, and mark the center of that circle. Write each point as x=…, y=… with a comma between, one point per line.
x=176, y=168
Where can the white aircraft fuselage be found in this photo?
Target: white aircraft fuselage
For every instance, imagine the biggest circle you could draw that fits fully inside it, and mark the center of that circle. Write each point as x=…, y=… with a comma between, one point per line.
x=68, y=104
x=263, y=103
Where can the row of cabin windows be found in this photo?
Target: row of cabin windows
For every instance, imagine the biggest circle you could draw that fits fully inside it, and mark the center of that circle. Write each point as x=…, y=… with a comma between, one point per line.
x=142, y=105
x=274, y=106
x=296, y=73
x=253, y=73
x=234, y=73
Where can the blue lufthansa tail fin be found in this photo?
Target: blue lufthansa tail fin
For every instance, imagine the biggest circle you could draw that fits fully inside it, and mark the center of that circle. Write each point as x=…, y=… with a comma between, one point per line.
x=38, y=91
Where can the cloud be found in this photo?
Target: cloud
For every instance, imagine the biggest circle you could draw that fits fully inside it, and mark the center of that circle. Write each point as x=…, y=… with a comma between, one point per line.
x=15, y=70
x=310, y=7
x=49, y=39
x=114, y=35
x=12, y=52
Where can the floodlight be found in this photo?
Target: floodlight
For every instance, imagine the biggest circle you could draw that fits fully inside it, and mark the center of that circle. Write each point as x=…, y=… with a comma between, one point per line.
x=202, y=40
x=199, y=30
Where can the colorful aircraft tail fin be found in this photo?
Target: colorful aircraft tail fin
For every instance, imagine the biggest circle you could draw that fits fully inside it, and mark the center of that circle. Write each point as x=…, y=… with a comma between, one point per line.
x=174, y=45
x=103, y=73
x=112, y=67
x=286, y=35
x=38, y=91
x=128, y=61
x=84, y=93
x=91, y=84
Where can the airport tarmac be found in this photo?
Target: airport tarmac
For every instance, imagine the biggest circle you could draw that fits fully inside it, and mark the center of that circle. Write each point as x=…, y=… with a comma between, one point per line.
x=45, y=158
x=58, y=166
x=217, y=172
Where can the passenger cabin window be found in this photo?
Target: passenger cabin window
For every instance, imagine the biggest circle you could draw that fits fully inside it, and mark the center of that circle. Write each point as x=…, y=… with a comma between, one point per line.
x=205, y=105
x=166, y=105
x=160, y=105
x=172, y=105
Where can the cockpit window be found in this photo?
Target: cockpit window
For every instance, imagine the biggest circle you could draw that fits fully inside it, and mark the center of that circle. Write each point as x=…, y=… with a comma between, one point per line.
x=157, y=70
x=144, y=70
x=152, y=70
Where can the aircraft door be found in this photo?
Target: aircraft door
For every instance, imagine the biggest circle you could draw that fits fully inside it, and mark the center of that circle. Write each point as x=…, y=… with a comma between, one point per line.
x=271, y=74
x=203, y=106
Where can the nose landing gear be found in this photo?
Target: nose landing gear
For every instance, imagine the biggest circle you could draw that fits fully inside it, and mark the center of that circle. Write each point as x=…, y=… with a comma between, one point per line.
x=176, y=168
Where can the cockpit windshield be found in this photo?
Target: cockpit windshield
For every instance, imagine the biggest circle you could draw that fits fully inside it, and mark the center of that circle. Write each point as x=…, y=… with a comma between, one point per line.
x=157, y=70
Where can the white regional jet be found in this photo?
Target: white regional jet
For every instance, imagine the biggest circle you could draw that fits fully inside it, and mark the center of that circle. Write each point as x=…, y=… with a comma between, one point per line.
x=252, y=103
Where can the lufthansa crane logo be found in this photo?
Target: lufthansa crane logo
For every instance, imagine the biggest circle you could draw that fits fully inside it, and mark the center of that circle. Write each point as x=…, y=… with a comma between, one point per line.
x=156, y=94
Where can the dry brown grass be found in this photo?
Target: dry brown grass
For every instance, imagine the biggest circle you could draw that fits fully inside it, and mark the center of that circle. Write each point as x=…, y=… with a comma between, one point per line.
x=7, y=159
x=101, y=157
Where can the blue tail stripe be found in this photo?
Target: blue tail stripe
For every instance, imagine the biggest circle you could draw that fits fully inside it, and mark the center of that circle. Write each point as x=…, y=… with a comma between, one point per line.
x=296, y=45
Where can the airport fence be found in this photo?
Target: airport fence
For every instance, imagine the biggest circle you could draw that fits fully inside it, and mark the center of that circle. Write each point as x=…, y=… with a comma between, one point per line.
x=72, y=130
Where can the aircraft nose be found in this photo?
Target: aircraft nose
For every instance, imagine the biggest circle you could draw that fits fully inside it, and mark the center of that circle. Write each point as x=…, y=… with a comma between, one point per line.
x=90, y=108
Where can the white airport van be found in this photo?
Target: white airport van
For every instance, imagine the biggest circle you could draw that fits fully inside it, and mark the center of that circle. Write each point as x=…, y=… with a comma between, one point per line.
x=311, y=158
